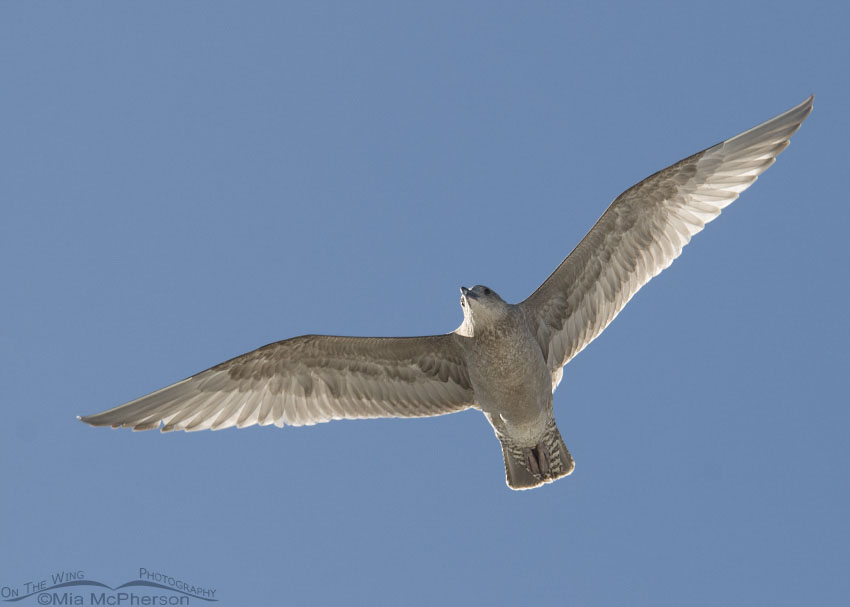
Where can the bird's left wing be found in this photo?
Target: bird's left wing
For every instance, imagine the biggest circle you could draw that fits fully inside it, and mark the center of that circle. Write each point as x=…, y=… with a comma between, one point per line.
x=642, y=232
x=307, y=380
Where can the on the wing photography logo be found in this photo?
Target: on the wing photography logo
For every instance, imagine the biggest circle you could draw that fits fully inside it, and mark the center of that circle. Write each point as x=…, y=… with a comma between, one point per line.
x=150, y=588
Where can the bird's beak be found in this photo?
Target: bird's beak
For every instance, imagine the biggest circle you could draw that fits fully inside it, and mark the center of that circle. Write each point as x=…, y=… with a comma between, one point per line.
x=464, y=291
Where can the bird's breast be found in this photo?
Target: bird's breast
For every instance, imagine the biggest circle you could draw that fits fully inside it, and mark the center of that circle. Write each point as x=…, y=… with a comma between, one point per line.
x=509, y=376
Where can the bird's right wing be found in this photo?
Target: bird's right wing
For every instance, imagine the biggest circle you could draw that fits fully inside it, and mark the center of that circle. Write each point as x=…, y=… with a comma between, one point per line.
x=307, y=380
x=642, y=232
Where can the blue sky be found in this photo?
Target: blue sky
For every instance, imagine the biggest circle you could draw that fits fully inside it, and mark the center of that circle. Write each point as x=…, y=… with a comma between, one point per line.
x=184, y=182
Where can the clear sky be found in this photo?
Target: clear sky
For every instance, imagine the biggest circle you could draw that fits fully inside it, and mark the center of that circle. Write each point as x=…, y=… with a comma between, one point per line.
x=182, y=182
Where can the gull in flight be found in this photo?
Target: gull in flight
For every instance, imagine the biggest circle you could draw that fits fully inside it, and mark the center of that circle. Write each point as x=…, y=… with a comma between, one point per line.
x=505, y=359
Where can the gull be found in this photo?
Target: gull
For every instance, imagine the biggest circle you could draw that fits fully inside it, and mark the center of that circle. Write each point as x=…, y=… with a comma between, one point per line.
x=505, y=359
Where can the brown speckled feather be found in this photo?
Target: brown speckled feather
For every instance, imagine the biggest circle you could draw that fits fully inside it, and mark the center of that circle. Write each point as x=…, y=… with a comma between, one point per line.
x=308, y=380
x=504, y=359
x=642, y=232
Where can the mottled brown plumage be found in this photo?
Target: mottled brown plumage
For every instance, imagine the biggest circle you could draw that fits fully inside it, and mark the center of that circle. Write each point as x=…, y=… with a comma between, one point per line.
x=505, y=359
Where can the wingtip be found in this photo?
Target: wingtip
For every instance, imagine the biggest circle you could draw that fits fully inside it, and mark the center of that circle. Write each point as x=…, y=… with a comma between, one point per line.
x=804, y=110
x=91, y=420
x=806, y=105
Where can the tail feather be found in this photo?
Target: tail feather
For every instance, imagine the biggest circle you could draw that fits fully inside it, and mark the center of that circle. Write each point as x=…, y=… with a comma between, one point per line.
x=528, y=468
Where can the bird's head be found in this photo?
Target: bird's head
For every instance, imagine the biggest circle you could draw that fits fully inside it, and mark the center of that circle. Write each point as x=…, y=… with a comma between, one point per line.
x=481, y=306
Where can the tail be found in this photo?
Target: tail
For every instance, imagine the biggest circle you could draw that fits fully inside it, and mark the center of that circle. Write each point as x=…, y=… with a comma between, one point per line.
x=529, y=467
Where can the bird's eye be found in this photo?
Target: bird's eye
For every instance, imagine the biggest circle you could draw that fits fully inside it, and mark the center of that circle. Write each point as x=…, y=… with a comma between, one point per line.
x=487, y=291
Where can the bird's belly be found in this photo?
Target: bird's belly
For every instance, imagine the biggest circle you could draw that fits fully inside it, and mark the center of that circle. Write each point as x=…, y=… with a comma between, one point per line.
x=519, y=393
